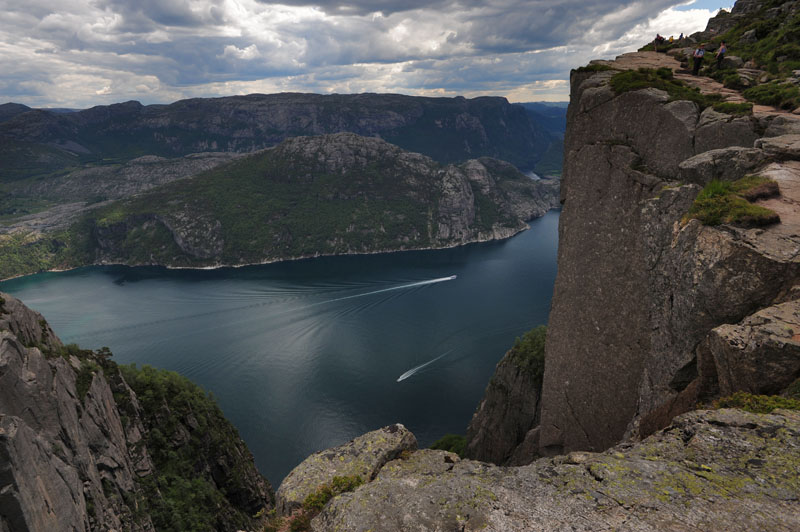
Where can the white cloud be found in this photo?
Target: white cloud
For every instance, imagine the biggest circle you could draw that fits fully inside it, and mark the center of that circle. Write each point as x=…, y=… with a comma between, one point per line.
x=248, y=53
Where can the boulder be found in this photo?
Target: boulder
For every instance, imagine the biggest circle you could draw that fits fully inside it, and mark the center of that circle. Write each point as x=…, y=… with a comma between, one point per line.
x=748, y=37
x=727, y=164
x=776, y=126
x=719, y=130
x=363, y=457
x=782, y=147
x=732, y=61
x=761, y=354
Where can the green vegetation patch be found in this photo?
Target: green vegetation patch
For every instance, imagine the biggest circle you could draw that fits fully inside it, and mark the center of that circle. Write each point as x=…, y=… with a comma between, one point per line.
x=454, y=443
x=300, y=521
x=757, y=404
x=314, y=502
x=733, y=108
x=662, y=78
x=594, y=67
x=723, y=202
x=775, y=93
x=179, y=496
x=527, y=352
x=24, y=253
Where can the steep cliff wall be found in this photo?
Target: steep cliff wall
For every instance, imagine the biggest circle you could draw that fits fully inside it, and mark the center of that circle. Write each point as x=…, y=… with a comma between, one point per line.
x=639, y=287
x=79, y=450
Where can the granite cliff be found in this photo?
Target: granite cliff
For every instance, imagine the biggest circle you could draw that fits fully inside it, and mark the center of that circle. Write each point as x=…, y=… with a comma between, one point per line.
x=81, y=450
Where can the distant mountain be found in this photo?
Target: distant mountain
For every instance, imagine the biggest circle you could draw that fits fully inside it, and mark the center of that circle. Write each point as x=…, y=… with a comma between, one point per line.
x=309, y=196
x=552, y=117
x=446, y=129
x=10, y=110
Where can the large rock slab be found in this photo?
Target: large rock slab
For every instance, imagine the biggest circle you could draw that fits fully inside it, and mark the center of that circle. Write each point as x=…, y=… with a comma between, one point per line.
x=760, y=355
x=719, y=130
x=364, y=457
x=726, y=164
x=711, y=470
x=782, y=147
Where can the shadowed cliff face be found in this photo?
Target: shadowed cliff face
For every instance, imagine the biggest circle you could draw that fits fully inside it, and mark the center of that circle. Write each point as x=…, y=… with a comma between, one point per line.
x=78, y=452
x=638, y=289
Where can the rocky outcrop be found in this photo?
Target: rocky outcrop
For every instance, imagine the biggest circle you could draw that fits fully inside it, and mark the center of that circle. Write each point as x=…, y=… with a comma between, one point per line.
x=362, y=457
x=639, y=288
x=504, y=429
x=703, y=473
x=74, y=451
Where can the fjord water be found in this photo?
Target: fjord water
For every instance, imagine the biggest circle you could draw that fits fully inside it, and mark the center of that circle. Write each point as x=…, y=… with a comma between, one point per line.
x=306, y=355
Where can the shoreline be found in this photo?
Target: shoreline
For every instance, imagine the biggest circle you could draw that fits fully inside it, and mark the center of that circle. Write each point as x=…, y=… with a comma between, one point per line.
x=525, y=227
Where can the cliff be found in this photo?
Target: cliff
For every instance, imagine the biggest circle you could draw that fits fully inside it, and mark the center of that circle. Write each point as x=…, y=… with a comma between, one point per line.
x=640, y=286
x=309, y=196
x=81, y=450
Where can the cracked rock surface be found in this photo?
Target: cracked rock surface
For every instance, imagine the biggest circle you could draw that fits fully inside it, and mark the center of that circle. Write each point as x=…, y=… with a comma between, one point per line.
x=710, y=470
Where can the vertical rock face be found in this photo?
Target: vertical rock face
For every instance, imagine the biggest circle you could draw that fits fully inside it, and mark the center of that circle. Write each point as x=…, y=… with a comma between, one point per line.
x=638, y=289
x=507, y=417
x=74, y=438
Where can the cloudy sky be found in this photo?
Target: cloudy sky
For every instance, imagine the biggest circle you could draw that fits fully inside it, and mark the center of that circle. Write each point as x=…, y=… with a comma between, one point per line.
x=79, y=53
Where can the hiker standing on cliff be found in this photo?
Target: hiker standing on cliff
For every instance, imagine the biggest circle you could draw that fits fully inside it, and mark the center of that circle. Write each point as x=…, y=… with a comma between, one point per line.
x=698, y=58
x=721, y=54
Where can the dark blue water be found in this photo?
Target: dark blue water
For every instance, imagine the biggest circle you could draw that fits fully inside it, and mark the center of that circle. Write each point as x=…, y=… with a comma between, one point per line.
x=306, y=355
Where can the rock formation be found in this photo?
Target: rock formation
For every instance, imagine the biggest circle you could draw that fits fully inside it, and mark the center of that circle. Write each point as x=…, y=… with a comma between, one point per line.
x=701, y=473
x=76, y=446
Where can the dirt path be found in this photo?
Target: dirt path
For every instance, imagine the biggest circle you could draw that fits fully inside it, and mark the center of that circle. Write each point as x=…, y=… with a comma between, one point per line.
x=706, y=85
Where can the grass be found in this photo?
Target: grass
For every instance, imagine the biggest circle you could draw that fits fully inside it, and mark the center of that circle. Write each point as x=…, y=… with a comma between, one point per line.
x=594, y=67
x=300, y=521
x=662, y=78
x=455, y=443
x=757, y=404
x=775, y=93
x=733, y=108
x=723, y=202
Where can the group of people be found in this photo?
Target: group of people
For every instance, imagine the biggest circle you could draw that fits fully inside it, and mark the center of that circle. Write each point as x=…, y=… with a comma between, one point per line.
x=660, y=39
x=699, y=52
x=699, y=55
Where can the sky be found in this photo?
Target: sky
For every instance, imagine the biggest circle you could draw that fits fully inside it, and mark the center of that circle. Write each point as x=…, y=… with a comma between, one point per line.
x=80, y=53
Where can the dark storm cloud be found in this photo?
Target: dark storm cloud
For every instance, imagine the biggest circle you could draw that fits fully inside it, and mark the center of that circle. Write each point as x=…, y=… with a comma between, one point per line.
x=156, y=50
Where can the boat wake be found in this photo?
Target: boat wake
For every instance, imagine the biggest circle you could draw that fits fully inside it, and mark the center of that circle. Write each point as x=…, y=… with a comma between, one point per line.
x=415, y=370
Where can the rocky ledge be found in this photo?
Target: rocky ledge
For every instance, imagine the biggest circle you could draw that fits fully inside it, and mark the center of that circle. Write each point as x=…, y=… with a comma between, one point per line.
x=710, y=470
